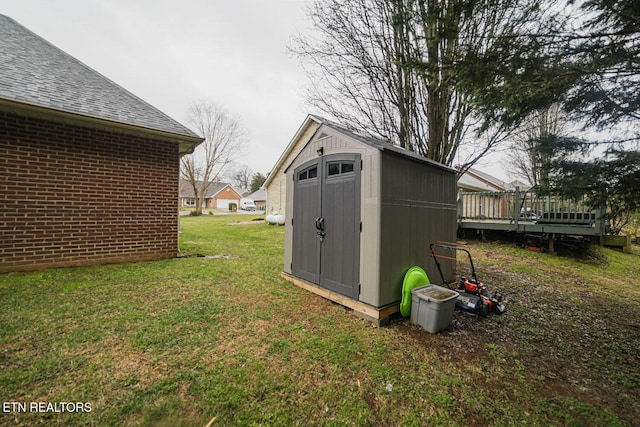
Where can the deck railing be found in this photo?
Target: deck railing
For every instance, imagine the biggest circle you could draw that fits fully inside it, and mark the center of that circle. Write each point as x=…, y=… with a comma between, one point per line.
x=524, y=206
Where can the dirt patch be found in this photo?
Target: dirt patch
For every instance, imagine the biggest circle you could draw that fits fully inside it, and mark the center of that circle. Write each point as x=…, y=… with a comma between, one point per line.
x=568, y=331
x=205, y=256
x=220, y=256
x=255, y=221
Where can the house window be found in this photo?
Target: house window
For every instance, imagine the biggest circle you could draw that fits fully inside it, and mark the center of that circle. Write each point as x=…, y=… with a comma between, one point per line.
x=190, y=202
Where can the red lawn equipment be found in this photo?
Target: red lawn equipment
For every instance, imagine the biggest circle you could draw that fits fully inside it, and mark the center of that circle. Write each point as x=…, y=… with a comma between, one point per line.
x=474, y=297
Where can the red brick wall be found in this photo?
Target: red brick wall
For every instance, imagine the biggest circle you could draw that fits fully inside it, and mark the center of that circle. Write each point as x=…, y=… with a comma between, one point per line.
x=74, y=196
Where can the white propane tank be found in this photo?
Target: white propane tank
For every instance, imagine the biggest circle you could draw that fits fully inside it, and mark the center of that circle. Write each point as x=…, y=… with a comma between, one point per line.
x=275, y=218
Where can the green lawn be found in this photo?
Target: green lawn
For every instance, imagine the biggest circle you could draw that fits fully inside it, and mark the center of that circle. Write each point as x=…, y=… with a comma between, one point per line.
x=223, y=339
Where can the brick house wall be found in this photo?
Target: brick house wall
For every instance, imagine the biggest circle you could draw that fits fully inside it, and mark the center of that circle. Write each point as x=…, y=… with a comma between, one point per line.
x=73, y=196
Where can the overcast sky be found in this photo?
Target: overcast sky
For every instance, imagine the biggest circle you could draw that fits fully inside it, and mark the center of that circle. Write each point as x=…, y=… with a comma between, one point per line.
x=173, y=53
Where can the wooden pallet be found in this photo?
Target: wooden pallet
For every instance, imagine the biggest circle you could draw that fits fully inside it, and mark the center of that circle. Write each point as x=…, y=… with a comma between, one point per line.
x=381, y=316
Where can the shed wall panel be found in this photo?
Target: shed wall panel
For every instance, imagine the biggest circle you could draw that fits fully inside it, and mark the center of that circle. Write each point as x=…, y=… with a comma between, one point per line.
x=370, y=236
x=418, y=207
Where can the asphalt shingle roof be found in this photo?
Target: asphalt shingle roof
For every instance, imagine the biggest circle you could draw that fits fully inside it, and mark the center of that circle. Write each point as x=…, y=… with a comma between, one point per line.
x=186, y=190
x=34, y=71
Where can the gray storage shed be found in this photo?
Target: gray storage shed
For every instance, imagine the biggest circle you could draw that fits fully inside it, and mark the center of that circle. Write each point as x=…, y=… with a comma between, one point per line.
x=359, y=213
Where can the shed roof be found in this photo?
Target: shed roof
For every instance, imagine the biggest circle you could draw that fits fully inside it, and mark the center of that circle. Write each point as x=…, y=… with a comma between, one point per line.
x=365, y=139
x=382, y=145
x=38, y=74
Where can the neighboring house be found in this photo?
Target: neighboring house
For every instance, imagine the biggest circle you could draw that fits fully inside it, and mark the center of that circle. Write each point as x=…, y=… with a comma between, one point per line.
x=484, y=205
x=475, y=180
x=519, y=184
x=219, y=195
x=275, y=184
x=89, y=170
x=222, y=195
x=260, y=199
x=489, y=200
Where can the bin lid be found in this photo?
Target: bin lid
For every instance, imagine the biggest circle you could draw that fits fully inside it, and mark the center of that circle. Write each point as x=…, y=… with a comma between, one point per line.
x=436, y=293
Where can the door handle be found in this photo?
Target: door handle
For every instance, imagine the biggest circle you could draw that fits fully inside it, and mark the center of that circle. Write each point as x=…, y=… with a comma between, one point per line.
x=320, y=227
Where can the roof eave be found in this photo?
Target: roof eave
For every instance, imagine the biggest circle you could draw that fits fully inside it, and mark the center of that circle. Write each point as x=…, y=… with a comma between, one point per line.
x=307, y=121
x=186, y=143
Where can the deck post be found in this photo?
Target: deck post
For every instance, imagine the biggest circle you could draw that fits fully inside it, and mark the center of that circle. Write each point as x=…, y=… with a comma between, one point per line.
x=516, y=207
x=600, y=225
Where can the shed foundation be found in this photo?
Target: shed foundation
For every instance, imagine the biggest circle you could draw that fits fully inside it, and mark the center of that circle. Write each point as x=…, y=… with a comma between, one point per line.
x=381, y=316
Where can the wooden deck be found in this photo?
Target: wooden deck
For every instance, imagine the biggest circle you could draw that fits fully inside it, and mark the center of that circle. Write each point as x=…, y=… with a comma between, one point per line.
x=529, y=227
x=524, y=212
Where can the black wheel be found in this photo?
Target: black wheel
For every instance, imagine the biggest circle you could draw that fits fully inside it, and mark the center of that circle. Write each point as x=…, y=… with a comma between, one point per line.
x=484, y=309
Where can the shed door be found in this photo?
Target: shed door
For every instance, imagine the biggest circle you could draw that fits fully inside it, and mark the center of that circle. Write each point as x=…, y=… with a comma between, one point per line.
x=306, y=208
x=326, y=223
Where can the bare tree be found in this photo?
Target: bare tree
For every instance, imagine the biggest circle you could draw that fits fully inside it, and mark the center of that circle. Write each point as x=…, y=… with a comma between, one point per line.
x=391, y=68
x=224, y=136
x=242, y=177
x=524, y=156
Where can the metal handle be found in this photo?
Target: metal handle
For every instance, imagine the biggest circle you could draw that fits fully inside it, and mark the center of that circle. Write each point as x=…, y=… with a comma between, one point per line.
x=320, y=227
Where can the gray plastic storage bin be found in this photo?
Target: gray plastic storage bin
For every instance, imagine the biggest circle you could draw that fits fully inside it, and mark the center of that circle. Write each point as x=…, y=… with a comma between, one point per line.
x=432, y=307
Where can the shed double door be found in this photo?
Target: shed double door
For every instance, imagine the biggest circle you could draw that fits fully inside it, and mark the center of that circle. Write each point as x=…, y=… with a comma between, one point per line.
x=326, y=223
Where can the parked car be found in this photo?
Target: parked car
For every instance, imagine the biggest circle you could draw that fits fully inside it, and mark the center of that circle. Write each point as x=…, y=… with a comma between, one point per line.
x=247, y=205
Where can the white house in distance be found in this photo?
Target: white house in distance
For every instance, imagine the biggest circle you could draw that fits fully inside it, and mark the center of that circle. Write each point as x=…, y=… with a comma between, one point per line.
x=475, y=180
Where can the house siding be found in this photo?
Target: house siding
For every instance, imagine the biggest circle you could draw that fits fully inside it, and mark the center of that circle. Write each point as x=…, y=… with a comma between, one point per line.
x=277, y=188
x=226, y=193
x=74, y=196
